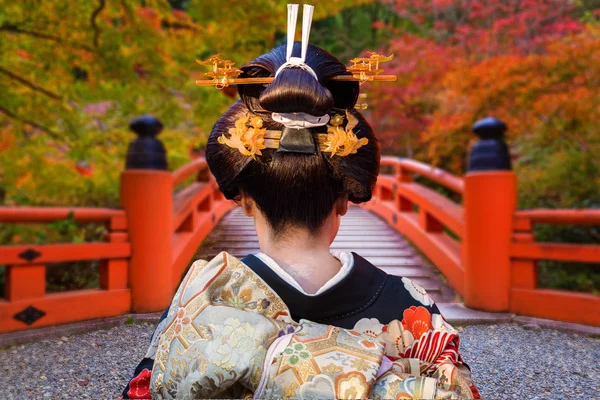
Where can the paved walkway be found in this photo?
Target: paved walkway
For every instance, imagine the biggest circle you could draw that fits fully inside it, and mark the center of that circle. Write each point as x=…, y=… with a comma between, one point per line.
x=508, y=362
x=360, y=231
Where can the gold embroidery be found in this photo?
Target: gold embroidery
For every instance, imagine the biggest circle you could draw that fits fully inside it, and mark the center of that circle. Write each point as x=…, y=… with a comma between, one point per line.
x=203, y=332
x=360, y=364
x=290, y=390
x=352, y=385
x=332, y=369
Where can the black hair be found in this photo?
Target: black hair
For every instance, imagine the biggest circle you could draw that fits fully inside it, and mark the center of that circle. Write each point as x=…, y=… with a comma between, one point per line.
x=296, y=81
x=293, y=189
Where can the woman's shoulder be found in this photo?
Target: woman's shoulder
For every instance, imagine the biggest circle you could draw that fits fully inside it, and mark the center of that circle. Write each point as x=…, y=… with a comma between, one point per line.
x=399, y=293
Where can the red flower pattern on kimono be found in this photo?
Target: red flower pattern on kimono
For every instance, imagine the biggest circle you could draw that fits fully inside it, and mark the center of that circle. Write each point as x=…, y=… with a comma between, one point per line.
x=417, y=320
x=139, y=387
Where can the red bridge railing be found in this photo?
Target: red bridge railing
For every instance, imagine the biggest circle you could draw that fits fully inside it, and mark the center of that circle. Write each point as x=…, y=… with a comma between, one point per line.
x=525, y=251
x=26, y=302
x=484, y=246
x=148, y=247
x=167, y=226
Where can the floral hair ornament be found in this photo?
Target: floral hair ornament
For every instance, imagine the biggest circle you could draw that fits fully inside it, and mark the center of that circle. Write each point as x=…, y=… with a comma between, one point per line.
x=248, y=140
x=340, y=141
x=249, y=137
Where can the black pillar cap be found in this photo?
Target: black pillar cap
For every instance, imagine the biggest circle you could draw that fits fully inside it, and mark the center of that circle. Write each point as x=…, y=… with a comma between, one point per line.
x=146, y=152
x=146, y=126
x=490, y=153
x=489, y=128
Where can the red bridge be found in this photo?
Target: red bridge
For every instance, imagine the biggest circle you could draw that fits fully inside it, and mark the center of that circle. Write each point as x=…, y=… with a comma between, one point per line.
x=483, y=245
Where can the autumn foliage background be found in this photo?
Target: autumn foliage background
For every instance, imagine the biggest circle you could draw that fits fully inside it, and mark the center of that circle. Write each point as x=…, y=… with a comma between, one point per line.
x=73, y=74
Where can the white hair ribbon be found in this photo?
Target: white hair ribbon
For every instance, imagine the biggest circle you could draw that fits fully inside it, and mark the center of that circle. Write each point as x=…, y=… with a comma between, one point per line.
x=307, y=15
x=299, y=120
x=291, y=28
x=298, y=62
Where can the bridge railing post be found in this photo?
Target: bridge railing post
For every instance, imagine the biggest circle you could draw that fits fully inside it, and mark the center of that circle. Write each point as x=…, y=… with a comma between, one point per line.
x=147, y=198
x=403, y=176
x=489, y=205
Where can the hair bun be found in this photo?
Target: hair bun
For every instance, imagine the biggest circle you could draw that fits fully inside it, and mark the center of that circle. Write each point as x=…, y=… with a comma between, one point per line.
x=323, y=63
x=296, y=90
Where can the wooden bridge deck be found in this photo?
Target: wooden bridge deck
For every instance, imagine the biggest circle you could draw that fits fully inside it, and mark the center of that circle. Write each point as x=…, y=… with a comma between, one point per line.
x=361, y=232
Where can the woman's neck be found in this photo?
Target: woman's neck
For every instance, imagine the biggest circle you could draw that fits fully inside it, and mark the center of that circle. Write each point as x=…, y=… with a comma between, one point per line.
x=303, y=255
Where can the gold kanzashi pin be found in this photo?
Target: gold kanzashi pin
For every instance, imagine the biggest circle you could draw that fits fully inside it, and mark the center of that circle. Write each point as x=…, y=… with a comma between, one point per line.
x=223, y=72
x=366, y=69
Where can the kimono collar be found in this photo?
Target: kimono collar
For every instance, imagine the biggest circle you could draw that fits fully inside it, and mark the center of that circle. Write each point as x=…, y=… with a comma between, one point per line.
x=351, y=295
x=347, y=260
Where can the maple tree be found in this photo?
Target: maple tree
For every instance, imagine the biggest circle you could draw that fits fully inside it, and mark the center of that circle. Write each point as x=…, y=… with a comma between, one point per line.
x=73, y=74
x=533, y=64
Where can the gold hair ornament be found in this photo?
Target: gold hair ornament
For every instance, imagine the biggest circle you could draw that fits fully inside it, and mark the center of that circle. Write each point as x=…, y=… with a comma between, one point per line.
x=362, y=106
x=340, y=141
x=224, y=74
x=367, y=69
x=250, y=140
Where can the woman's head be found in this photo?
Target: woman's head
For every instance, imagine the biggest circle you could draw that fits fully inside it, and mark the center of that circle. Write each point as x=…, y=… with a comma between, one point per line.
x=295, y=190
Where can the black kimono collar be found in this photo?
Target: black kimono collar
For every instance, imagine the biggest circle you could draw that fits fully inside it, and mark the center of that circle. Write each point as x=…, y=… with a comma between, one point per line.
x=356, y=292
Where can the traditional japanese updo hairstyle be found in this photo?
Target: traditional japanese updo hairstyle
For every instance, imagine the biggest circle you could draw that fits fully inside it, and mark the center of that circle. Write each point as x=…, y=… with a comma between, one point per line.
x=295, y=189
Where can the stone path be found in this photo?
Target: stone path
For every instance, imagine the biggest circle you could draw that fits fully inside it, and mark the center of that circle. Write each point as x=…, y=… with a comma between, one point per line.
x=508, y=362
x=360, y=231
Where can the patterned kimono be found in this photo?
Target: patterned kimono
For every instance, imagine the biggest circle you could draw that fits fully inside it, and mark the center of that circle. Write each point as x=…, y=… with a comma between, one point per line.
x=236, y=329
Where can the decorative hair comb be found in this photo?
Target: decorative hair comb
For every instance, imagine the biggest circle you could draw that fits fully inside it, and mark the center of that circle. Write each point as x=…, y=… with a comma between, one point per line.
x=249, y=137
x=248, y=134
x=363, y=70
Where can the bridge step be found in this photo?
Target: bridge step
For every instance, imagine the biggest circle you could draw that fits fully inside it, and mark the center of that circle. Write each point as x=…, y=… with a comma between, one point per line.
x=383, y=262
x=407, y=271
x=395, y=261
x=247, y=242
x=350, y=223
x=341, y=237
x=360, y=231
x=364, y=252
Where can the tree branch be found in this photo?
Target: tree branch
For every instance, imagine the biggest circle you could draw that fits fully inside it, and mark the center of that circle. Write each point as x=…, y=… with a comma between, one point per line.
x=12, y=115
x=95, y=27
x=12, y=28
x=30, y=85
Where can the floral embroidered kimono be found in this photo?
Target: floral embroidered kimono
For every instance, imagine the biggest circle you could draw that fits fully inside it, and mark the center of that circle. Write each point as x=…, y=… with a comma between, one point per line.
x=238, y=329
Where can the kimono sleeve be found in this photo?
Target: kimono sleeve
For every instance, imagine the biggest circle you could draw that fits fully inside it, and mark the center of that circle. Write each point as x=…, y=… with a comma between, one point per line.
x=424, y=334
x=138, y=386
